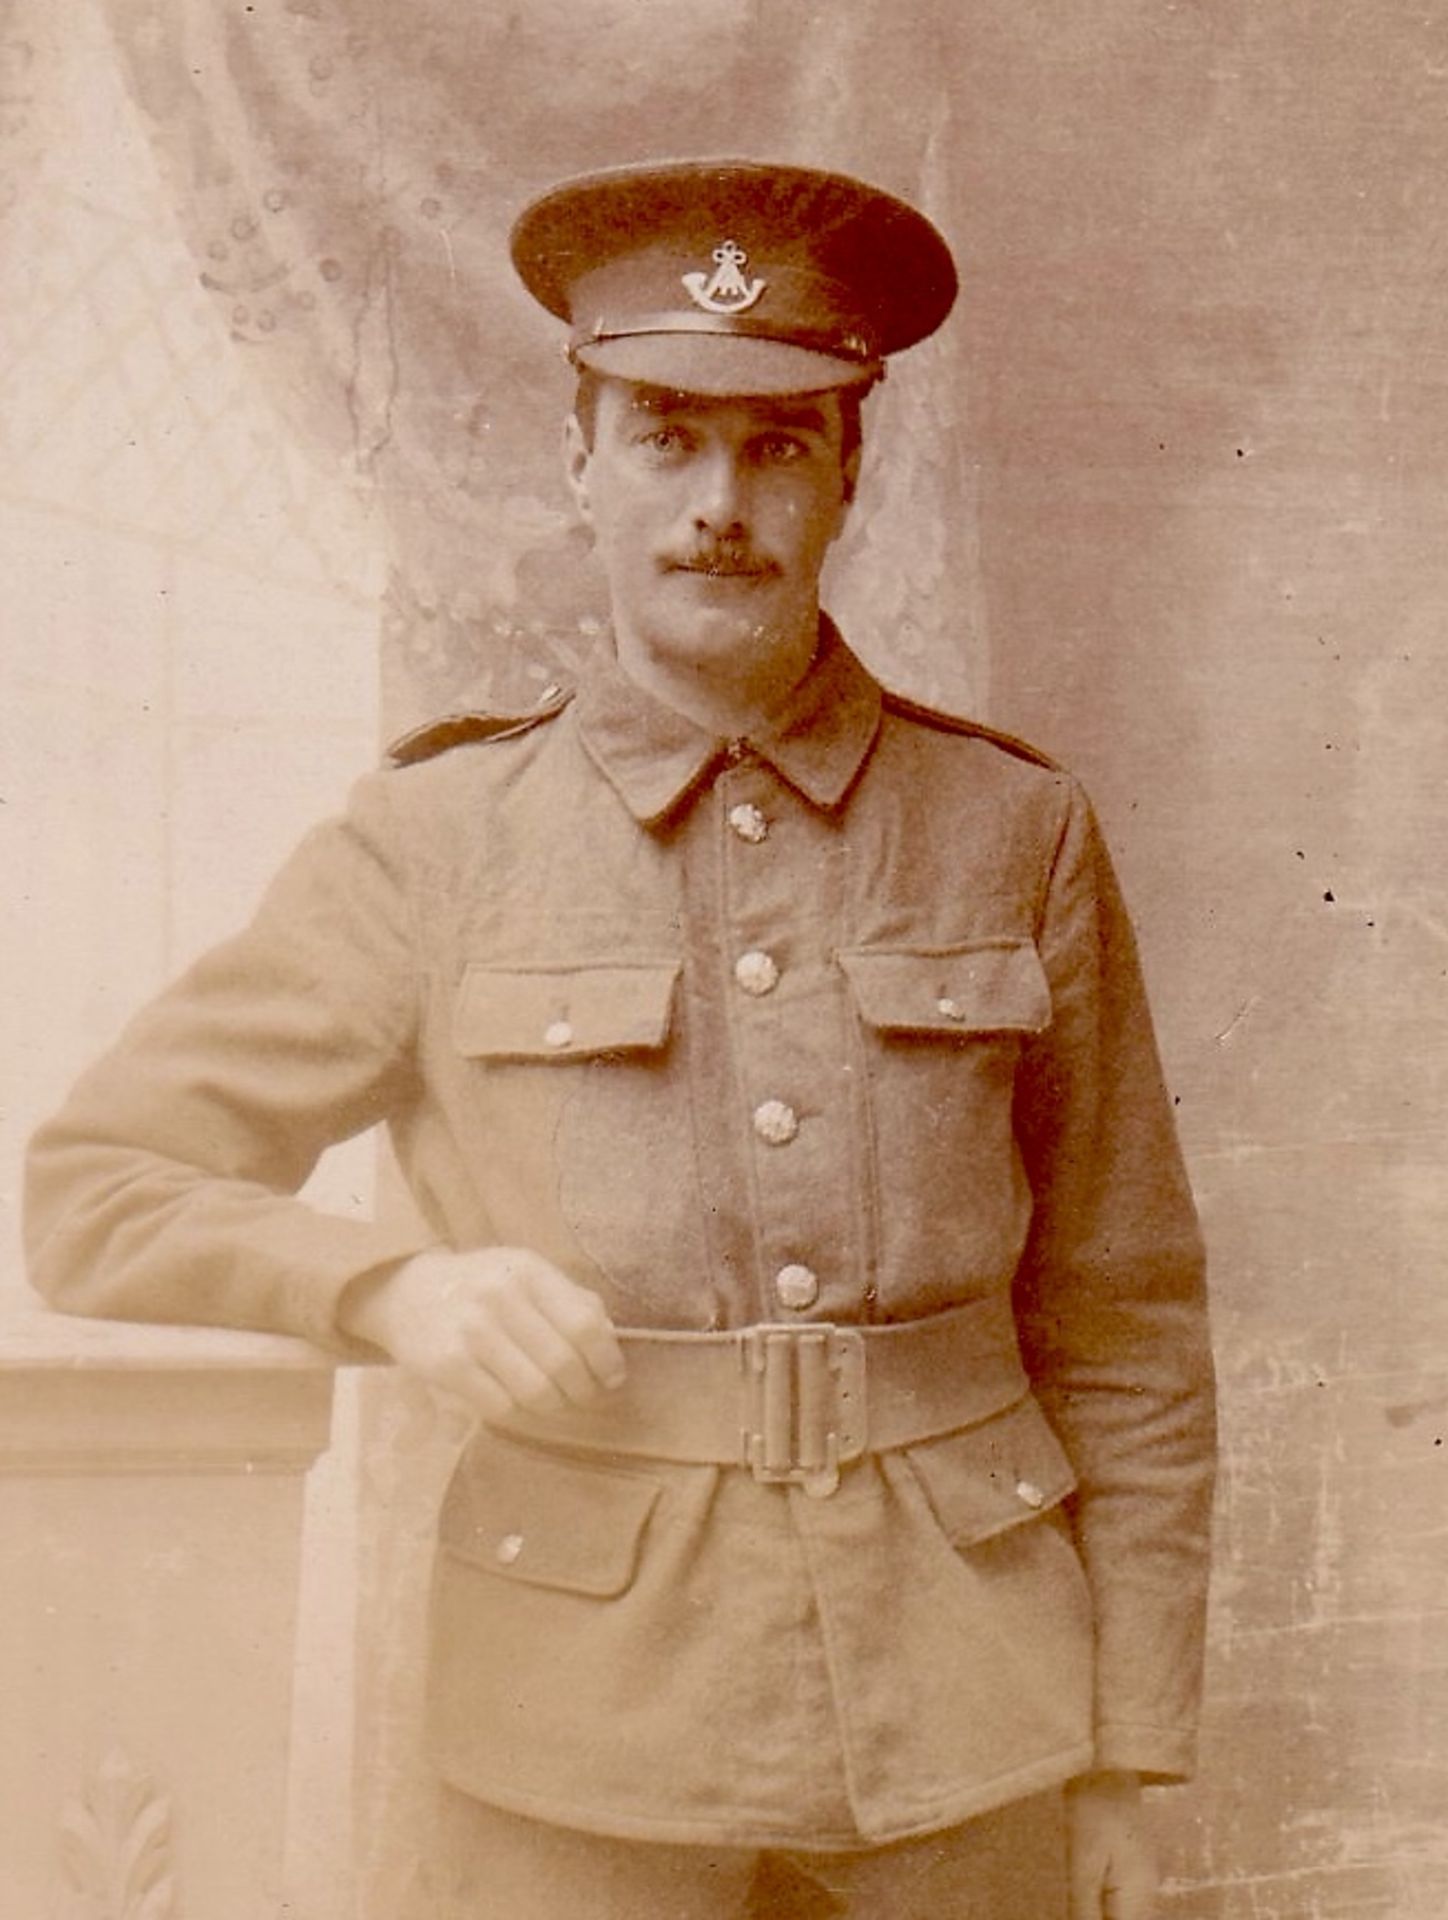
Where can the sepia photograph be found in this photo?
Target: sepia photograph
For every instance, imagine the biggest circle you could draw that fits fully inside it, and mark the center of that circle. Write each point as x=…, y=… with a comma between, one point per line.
x=724, y=1081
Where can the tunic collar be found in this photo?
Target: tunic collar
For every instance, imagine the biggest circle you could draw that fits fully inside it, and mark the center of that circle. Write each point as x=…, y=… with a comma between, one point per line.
x=654, y=756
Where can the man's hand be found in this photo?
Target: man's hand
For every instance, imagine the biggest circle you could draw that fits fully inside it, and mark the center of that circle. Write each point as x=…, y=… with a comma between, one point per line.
x=500, y=1329
x=1112, y=1859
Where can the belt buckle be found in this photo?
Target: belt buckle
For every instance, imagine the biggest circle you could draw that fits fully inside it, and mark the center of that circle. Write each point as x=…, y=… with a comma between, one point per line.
x=803, y=1403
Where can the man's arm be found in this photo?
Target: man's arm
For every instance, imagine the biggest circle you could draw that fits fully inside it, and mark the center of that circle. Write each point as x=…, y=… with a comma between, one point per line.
x=1111, y=1308
x=163, y=1190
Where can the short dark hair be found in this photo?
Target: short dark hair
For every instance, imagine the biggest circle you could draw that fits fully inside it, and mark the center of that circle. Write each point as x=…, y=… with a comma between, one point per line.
x=852, y=426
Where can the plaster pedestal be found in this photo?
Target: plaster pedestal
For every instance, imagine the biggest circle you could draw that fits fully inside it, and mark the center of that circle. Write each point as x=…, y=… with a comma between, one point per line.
x=151, y=1487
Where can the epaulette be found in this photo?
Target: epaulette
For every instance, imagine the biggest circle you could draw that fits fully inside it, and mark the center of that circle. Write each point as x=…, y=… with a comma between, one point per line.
x=467, y=729
x=956, y=723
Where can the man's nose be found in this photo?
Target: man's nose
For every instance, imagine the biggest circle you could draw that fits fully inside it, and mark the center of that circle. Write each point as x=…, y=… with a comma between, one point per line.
x=719, y=497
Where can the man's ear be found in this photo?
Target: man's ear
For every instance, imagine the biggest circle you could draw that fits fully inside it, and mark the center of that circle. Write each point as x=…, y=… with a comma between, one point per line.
x=577, y=458
x=851, y=476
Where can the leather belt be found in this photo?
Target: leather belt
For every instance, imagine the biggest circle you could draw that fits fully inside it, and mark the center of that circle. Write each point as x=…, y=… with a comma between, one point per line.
x=795, y=1402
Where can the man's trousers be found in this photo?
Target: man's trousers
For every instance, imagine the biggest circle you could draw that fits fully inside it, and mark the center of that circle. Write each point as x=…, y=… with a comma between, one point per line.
x=489, y=1865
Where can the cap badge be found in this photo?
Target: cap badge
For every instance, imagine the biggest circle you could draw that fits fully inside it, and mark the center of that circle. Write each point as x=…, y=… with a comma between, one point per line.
x=725, y=290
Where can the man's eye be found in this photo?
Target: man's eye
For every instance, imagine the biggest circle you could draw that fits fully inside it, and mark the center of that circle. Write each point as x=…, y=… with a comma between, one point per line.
x=665, y=440
x=779, y=449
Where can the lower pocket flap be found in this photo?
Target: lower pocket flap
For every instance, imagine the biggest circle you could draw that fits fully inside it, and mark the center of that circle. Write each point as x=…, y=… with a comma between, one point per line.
x=994, y=1476
x=548, y=1522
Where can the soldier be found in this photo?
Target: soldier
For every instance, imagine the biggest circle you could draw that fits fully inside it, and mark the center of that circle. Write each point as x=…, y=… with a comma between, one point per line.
x=804, y=1221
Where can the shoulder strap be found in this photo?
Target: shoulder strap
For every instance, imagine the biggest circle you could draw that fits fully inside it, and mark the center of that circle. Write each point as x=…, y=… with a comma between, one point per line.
x=470, y=729
x=955, y=723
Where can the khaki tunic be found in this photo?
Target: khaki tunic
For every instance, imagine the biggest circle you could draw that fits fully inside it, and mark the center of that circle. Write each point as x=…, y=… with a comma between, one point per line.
x=842, y=1023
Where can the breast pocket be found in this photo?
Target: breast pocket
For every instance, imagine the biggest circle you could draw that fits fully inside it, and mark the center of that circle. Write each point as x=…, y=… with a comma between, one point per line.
x=942, y=1033
x=574, y=1071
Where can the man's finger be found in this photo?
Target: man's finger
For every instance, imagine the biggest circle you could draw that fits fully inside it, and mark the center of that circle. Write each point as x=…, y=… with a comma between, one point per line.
x=1130, y=1890
x=582, y=1319
x=467, y=1387
x=549, y=1350
x=1086, y=1896
x=499, y=1356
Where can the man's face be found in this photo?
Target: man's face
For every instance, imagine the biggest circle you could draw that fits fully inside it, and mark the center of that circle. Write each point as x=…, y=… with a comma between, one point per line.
x=712, y=517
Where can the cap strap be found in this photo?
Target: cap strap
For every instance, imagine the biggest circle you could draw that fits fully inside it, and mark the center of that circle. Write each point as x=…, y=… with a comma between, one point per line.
x=855, y=345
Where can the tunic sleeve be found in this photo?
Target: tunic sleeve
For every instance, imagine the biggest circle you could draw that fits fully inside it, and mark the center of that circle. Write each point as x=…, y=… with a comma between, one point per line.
x=1112, y=1314
x=164, y=1188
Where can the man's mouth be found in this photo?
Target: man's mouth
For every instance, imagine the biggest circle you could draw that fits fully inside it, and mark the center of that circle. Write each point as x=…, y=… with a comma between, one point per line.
x=723, y=569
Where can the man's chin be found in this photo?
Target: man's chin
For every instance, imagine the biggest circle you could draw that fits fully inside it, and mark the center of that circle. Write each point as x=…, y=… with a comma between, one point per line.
x=726, y=599
x=720, y=626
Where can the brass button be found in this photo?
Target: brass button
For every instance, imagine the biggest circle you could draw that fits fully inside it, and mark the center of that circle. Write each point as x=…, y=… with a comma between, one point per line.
x=796, y=1287
x=560, y=1034
x=1032, y=1495
x=508, y=1549
x=756, y=972
x=951, y=1009
x=776, y=1122
x=749, y=823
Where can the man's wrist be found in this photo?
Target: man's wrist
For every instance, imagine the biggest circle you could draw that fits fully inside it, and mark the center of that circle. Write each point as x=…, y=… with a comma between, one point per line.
x=367, y=1305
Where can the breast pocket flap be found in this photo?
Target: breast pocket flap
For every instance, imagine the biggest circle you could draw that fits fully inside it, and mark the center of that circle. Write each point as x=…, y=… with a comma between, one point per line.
x=563, y=1013
x=547, y=1522
x=991, y=986
x=995, y=1476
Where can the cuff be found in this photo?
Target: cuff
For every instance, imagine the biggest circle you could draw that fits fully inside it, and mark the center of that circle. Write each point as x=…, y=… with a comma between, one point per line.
x=1161, y=1755
x=343, y=1252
